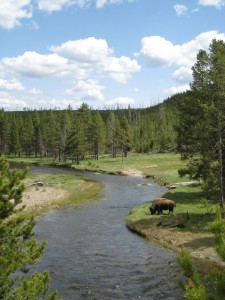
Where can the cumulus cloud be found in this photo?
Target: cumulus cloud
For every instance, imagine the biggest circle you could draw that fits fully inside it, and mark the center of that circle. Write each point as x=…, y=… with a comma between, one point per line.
x=120, y=69
x=180, y=9
x=86, y=90
x=84, y=50
x=35, y=65
x=159, y=52
x=10, y=102
x=183, y=74
x=13, y=11
x=10, y=85
x=77, y=59
x=176, y=89
x=216, y=3
x=121, y=101
x=57, y=5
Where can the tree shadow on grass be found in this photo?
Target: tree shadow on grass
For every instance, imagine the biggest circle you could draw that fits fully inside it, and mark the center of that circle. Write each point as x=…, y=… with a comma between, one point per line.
x=200, y=243
x=184, y=197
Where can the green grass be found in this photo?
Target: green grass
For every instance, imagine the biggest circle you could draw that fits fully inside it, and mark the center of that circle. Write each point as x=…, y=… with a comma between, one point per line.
x=165, y=166
x=160, y=165
x=78, y=190
x=191, y=210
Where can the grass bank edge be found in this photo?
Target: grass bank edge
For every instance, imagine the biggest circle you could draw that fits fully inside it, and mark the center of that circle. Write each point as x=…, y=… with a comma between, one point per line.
x=78, y=189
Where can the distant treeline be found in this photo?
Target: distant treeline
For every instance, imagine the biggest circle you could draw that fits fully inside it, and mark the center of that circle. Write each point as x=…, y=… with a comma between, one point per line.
x=73, y=134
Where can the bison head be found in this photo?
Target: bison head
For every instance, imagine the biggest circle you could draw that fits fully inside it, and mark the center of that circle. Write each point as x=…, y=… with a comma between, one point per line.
x=152, y=210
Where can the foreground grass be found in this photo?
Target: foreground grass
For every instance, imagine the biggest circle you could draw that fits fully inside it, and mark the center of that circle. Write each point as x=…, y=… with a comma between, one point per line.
x=189, y=227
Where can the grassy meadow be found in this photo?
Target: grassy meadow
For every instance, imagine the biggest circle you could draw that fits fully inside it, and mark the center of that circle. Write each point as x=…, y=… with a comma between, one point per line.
x=192, y=211
x=159, y=165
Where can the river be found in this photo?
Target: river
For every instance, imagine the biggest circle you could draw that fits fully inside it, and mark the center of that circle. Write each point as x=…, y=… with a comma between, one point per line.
x=90, y=254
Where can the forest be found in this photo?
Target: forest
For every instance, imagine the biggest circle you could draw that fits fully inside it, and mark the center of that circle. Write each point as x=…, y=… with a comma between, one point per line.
x=74, y=134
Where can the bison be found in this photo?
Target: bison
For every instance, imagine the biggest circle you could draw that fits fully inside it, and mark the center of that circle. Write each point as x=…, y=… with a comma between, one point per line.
x=161, y=204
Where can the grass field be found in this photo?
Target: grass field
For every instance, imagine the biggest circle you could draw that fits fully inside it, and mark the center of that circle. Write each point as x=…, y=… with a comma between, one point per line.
x=162, y=165
x=192, y=210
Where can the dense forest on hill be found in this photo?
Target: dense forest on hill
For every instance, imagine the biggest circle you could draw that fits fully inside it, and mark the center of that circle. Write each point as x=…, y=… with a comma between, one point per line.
x=73, y=134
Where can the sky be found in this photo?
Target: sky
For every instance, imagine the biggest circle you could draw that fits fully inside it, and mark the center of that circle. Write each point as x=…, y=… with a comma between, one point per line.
x=106, y=53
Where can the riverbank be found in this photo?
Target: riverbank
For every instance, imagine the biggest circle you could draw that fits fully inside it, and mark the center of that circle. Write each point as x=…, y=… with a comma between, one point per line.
x=46, y=191
x=195, y=213
x=188, y=228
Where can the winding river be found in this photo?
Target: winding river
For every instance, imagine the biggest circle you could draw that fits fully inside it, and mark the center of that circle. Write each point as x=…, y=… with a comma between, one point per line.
x=90, y=253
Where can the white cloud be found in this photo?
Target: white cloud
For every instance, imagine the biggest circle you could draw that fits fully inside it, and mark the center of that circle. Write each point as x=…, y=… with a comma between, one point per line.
x=121, y=101
x=13, y=85
x=34, y=65
x=102, y=3
x=55, y=103
x=121, y=69
x=86, y=90
x=183, y=74
x=176, y=89
x=13, y=11
x=180, y=9
x=88, y=58
x=84, y=50
x=57, y=5
x=216, y=3
x=159, y=52
x=10, y=102
x=35, y=91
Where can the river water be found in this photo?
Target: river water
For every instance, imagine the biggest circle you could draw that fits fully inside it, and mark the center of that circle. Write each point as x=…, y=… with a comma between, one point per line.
x=90, y=253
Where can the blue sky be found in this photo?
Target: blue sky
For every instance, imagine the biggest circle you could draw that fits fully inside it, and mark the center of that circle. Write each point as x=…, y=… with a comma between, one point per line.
x=56, y=53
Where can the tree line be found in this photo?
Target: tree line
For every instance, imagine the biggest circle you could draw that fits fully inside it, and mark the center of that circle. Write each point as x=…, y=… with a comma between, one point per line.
x=74, y=134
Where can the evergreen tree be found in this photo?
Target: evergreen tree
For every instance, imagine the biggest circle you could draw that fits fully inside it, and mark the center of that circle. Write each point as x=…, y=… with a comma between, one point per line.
x=84, y=112
x=201, y=130
x=126, y=136
x=14, y=145
x=27, y=135
x=76, y=144
x=65, y=125
x=18, y=248
x=98, y=134
x=113, y=133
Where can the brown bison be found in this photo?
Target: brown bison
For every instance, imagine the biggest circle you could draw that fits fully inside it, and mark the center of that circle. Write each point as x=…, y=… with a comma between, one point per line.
x=161, y=204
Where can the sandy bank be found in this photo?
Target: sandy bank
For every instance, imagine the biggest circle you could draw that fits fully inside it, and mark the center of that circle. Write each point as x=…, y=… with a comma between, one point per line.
x=42, y=196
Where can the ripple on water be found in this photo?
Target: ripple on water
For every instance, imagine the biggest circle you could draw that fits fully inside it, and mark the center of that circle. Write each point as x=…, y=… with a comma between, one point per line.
x=90, y=254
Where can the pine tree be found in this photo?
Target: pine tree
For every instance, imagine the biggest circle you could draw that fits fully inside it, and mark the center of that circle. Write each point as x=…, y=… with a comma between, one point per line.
x=18, y=248
x=76, y=144
x=14, y=145
x=97, y=134
x=202, y=122
x=126, y=136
